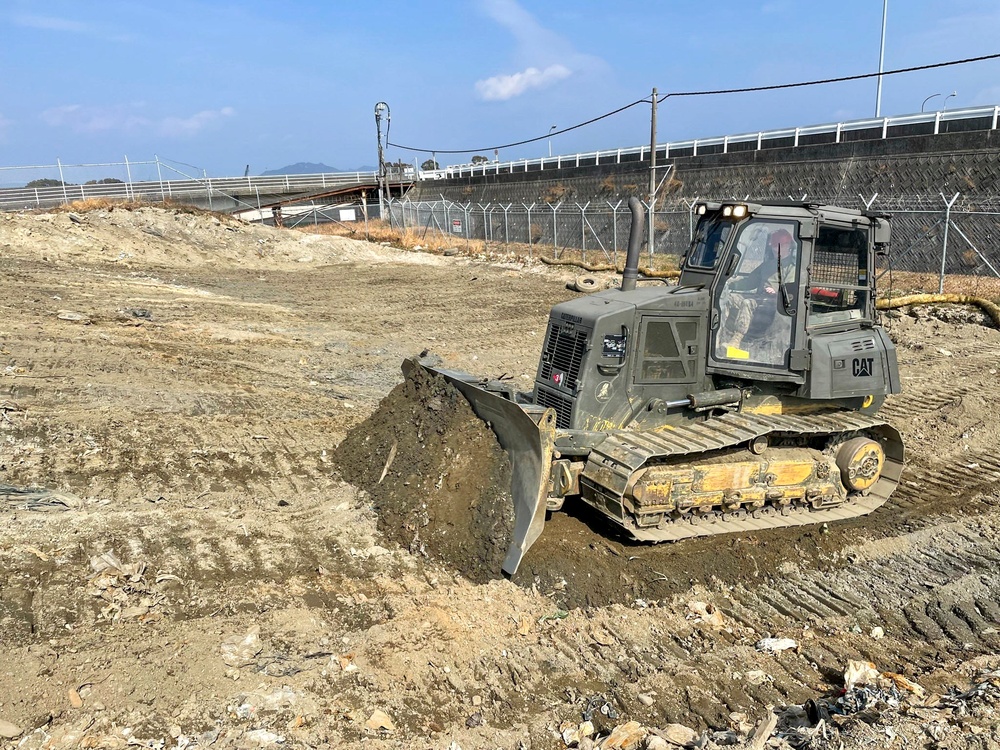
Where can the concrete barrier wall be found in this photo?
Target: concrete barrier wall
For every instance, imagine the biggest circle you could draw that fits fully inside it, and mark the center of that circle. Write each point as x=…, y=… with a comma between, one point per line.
x=919, y=166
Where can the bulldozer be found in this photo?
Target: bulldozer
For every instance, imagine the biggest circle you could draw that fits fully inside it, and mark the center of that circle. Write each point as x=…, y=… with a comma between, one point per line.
x=743, y=398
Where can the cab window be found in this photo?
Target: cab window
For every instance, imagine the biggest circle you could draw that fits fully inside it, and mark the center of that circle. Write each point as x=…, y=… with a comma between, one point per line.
x=757, y=300
x=709, y=243
x=838, y=277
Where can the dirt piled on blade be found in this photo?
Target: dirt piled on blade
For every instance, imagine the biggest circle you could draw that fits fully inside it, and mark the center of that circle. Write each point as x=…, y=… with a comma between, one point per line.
x=438, y=479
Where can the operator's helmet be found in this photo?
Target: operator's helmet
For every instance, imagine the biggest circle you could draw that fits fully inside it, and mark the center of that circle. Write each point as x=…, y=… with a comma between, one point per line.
x=780, y=238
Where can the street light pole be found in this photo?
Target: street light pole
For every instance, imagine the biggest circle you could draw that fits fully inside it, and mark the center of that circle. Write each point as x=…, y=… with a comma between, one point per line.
x=881, y=61
x=927, y=100
x=550, y=140
x=944, y=106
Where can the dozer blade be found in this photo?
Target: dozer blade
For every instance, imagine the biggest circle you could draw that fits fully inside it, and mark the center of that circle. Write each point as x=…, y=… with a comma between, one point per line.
x=528, y=445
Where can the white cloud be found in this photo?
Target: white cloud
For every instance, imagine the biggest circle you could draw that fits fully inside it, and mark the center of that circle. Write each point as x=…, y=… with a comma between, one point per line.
x=188, y=126
x=50, y=23
x=71, y=26
x=543, y=56
x=126, y=119
x=501, y=87
x=83, y=119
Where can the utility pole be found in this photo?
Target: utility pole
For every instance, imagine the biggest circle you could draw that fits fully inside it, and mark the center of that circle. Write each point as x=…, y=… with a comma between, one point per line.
x=652, y=177
x=383, y=184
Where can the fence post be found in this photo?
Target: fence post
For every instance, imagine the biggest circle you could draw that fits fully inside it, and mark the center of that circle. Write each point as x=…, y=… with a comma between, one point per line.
x=555, y=231
x=944, y=242
x=129, y=190
x=651, y=229
x=364, y=210
x=62, y=181
x=691, y=206
x=583, y=230
x=528, y=230
x=159, y=178
x=614, y=228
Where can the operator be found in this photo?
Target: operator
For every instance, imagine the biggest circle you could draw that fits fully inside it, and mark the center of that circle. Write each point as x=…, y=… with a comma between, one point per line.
x=761, y=294
x=779, y=259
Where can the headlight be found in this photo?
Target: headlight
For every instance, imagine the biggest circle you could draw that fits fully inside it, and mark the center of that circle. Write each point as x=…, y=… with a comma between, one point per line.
x=727, y=210
x=701, y=209
x=739, y=211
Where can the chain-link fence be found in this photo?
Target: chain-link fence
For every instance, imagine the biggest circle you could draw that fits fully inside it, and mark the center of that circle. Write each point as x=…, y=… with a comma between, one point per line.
x=939, y=243
x=598, y=230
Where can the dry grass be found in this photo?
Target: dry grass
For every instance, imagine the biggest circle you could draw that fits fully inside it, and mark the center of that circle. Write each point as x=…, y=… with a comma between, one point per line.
x=432, y=241
x=410, y=239
x=556, y=193
x=907, y=282
x=110, y=204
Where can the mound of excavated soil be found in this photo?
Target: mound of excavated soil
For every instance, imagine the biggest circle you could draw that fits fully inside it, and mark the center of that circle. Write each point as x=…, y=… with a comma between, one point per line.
x=437, y=477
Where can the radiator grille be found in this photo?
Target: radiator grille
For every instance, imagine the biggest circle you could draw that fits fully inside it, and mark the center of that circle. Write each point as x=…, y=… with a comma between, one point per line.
x=564, y=350
x=562, y=405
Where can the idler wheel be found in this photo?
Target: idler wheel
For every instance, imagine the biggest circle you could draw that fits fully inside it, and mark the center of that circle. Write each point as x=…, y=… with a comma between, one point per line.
x=860, y=461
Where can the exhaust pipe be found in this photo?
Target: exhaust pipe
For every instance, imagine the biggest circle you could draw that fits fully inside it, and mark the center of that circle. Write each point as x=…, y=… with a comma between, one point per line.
x=631, y=272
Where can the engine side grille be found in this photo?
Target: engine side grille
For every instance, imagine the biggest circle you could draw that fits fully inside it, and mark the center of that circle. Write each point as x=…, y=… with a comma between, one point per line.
x=553, y=400
x=863, y=345
x=564, y=350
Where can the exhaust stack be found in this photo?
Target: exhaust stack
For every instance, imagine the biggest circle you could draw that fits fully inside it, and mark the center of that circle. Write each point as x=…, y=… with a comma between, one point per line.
x=631, y=271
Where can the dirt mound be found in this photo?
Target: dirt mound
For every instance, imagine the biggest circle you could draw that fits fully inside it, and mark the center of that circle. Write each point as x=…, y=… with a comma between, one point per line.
x=436, y=476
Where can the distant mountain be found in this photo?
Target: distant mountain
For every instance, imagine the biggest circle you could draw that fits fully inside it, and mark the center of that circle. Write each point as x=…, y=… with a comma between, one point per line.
x=303, y=167
x=307, y=167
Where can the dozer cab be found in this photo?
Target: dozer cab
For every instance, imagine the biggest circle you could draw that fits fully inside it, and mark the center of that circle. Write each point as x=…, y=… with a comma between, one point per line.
x=742, y=399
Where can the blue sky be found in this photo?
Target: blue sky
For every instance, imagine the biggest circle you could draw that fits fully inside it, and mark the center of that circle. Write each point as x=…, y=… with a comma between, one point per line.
x=217, y=86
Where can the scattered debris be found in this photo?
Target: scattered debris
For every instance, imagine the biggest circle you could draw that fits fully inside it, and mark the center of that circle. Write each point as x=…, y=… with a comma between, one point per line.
x=73, y=317
x=703, y=612
x=240, y=651
x=38, y=498
x=380, y=720
x=9, y=731
x=776, y=645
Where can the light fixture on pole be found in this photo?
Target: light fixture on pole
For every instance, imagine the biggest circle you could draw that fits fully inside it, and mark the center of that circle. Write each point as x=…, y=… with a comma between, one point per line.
x=944, y=105
x=550, y=139
x=927, y=100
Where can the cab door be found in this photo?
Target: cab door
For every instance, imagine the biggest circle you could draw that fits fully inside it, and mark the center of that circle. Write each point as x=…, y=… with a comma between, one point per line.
x=756, y=299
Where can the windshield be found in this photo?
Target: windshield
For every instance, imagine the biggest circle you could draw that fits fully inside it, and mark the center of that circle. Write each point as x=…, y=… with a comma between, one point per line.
x=709, y=241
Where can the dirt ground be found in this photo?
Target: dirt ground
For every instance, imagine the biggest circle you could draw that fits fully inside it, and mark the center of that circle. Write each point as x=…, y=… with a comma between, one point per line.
x=183, y=566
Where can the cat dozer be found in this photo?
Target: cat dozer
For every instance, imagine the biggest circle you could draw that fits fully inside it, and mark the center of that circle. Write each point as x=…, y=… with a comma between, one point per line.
x=742, y=399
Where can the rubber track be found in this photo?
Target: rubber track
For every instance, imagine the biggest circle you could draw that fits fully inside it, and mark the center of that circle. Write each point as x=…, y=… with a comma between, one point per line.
x=629, y=451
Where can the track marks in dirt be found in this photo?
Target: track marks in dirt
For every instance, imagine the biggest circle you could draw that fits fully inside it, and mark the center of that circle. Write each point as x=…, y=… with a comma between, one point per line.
x=922, y=588
x=952, y=484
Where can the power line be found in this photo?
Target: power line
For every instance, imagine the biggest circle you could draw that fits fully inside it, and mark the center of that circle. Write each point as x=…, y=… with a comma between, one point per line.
x=772, y=87
x=776, y=86
x=519, y=143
